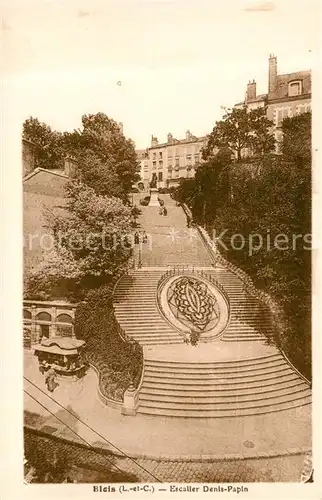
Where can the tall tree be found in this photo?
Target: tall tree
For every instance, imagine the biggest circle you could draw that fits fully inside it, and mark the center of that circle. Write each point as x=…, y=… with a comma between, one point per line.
x=103, y=137
x=49, y=143
x=240, y=129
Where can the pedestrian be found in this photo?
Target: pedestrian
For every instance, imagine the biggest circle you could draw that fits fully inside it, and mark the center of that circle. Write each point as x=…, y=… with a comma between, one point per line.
x=165, y=211
x=136, y=238
x=51, y=379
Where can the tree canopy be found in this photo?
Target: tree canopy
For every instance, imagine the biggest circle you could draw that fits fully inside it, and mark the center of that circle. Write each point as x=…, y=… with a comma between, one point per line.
x=241, y=129
x=102, y=139
x=49, y=143
x=106, y=158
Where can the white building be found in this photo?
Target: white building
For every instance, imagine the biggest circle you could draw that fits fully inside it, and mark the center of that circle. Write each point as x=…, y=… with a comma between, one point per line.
x=171, y=160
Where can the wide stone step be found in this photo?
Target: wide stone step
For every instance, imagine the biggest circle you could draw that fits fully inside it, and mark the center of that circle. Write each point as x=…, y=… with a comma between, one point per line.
x=158, y=342
x=142, y=320
x=135, y=302
x=179, y=370
x=151, y=376
x=150, y=330
x=216, y=372
x=228, y=405
x=137, y=286
x=122, y=310
x=217, y=398
x=238, y=335
x=238, y=388
x=229, y=412
x=210, y=364
x=241, y=339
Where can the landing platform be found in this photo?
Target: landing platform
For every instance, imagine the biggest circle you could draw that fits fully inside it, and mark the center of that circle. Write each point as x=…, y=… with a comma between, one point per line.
x=209, y=352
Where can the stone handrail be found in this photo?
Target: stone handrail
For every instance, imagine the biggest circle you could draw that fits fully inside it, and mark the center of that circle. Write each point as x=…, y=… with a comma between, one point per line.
x=113, y=403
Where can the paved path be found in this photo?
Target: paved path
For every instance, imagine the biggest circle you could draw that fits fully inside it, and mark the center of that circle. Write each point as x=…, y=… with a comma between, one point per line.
x=170, y=241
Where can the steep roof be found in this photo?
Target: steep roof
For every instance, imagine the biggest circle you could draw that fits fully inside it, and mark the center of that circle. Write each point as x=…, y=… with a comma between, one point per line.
x=284, y=80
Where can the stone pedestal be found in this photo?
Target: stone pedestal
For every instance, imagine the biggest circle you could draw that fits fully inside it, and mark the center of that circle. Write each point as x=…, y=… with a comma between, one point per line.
x=154, y=202
x=130, y=401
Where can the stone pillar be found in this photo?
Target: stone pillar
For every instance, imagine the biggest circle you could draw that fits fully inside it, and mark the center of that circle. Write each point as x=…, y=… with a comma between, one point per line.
x=33, y=330
x=130, y=401
x=154, y=202
x=53, y=329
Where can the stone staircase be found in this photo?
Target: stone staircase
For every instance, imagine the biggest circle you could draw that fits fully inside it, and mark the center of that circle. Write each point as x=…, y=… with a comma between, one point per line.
x=137, y=312
x=244, y=387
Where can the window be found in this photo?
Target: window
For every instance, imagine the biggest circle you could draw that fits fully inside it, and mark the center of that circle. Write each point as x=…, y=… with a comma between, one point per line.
x=44, y=329
x=160, y=154
x=154, y=156
x=177, y=161
x=281, y=113
x=294, y=88
x=302, y=108
x=160, y=164
x=154, y=164
x=160, y=176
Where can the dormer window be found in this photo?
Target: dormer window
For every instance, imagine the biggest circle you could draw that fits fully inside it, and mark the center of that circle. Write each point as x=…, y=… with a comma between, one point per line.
x=295, y=88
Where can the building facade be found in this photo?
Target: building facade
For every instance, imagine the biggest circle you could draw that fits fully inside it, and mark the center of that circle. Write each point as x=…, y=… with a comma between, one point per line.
x=287, y=95
x=171, y=160
x=46, y=319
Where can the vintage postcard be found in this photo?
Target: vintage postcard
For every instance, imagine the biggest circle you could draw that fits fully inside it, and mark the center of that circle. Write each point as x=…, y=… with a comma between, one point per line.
x=164, y=176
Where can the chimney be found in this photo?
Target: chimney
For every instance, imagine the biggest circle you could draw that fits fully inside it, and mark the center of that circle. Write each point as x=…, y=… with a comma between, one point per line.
x=188, y=135
x=272, y=74
x=251, y=91
x=170, y=138
x=154, y=141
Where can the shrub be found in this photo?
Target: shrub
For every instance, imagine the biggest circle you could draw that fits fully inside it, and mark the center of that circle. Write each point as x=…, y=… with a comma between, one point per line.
x=118, y=360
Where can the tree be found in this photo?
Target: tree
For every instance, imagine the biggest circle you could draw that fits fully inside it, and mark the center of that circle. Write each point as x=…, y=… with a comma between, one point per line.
x=99, y=174
x=240, y=129
x=297, y=138
x=49, y=143
x=91, y=243
x=103, y=138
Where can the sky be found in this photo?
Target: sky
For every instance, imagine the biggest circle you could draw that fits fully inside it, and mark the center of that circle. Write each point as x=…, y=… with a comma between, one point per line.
x=158, y=66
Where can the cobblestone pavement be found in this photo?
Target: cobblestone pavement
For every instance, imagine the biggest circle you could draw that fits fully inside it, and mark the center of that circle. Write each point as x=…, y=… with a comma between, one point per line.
x=170, y=240
x=278, y=469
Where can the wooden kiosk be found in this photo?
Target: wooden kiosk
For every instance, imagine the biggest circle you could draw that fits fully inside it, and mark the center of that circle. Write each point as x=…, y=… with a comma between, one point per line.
x=63, y=354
